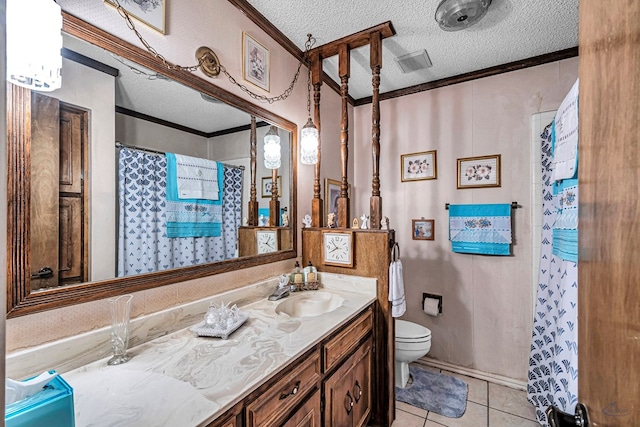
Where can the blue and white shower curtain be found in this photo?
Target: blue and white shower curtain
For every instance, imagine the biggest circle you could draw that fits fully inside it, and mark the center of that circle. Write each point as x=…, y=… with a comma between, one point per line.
x=143, y=245
x=553, y=362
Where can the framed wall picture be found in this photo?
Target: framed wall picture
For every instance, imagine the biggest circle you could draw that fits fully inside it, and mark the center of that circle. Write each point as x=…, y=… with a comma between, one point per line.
x=267, y=185
x=331, y=195
x=149, y=12
x=423, y=229
x=255, y=62
x=418, y=166
x=479, y=172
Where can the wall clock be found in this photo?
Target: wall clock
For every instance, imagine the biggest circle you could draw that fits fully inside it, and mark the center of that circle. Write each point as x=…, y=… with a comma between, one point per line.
x=267, y=241
x=337, y=248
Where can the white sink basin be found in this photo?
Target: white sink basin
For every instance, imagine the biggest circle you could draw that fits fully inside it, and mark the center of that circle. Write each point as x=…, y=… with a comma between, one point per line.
x=309, y=304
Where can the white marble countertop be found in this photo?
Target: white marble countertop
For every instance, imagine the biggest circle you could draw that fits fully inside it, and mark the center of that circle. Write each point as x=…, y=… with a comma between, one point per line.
x=184, y=380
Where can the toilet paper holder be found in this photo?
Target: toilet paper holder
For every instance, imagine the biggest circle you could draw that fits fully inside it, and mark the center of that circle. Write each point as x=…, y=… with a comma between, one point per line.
x=434, y=296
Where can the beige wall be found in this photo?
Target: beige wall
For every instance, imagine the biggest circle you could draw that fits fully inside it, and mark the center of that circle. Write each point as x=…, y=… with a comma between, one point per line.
x=488, y=316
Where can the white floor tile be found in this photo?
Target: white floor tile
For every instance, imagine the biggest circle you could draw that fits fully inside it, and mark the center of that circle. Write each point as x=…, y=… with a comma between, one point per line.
x=405, y=419
x=502, y=419
x=474, y=416
x=511, y=401
x=411, y=409
x=477, y=388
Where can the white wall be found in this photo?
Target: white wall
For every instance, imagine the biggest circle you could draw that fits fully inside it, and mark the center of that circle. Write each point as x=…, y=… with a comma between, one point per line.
x=487, y=317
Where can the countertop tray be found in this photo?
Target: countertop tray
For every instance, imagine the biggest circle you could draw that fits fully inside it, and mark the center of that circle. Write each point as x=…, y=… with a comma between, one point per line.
x=205, y=331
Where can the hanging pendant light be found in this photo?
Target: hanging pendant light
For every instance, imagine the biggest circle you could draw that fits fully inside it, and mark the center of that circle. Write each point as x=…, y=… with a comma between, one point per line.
x=34, y=41
x=309, y=134
x=272, y=149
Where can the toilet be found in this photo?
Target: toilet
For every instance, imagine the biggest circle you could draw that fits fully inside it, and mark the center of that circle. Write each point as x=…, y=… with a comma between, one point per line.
x=412, y=342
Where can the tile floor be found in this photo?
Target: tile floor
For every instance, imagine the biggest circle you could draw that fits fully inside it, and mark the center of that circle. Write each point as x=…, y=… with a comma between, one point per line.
x=488, y=405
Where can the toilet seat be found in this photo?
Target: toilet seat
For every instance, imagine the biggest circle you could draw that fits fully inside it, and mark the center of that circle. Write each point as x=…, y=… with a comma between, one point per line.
x=411, y=332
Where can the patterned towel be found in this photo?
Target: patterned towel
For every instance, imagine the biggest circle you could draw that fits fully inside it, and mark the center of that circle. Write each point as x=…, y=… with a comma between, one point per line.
x=196, y=178
x=565, y=137
x=565, y=227
x=480, y=229
x=192, y=217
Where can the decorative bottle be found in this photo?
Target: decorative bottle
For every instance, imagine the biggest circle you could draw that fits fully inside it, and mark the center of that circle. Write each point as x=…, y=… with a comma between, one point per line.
x=310, y=277
x=297, y=277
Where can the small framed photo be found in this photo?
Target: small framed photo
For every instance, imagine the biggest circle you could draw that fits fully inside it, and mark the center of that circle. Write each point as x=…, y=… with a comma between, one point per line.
x=479, y=172
x=255, y=62
x=423, y=229
x=267, y=185
x=418, y=166
x=331, y=195
x=149, y=12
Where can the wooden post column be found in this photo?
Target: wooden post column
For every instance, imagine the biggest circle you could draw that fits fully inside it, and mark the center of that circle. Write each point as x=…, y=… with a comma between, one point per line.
x=343, y=69
x=253, y=201
x=317, y=207
x=274, y=203
x=375, y=207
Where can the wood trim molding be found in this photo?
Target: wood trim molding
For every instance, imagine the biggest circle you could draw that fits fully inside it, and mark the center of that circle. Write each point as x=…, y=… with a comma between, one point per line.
x=486, y=72
x=355, y=40
x=89, y=62
x=265, y=25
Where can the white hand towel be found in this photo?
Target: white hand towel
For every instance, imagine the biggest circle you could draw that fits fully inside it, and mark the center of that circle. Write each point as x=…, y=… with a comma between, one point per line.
x=396, y=289
x=197, y=178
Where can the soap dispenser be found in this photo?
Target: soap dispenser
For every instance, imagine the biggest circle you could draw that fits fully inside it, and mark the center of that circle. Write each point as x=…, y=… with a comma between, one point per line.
x=311, y=282
x=297, y=277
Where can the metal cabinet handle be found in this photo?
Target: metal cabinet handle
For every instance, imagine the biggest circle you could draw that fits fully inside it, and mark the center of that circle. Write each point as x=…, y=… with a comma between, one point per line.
x=358, y=393
x=293, y=391
x=43, y=273
x=348, y=405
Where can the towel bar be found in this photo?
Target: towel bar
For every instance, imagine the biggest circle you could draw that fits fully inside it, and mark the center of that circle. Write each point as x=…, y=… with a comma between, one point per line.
x=514, y=205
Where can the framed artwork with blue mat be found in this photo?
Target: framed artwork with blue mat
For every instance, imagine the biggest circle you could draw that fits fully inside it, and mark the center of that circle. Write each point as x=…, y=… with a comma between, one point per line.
x=435, y=392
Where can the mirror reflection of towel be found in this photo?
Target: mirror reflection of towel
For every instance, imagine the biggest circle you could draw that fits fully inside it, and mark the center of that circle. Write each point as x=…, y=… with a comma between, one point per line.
x=196, y=178
x=192, y=217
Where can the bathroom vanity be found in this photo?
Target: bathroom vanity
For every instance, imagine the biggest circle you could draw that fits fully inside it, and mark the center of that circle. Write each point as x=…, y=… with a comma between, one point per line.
x=274, y=370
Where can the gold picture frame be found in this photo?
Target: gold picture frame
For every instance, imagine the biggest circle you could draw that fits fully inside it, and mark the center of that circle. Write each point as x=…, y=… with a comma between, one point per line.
x=255, y=62
x=331, y=195
x=266, y=186
x=479, y=172
x=419, y=166
x=149, y=12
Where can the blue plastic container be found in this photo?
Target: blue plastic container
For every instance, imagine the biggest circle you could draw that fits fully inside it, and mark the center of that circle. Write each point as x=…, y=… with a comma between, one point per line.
x=52, y=407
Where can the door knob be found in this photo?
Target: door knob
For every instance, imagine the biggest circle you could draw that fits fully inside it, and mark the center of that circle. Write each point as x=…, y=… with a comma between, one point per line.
x=43, y=273
x=557, y=418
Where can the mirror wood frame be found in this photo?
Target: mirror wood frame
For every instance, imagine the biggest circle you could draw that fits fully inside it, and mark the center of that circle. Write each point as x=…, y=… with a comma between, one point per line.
x=20, y=300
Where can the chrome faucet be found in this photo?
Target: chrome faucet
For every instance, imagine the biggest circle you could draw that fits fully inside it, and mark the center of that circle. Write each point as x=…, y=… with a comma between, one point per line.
x=282, y=290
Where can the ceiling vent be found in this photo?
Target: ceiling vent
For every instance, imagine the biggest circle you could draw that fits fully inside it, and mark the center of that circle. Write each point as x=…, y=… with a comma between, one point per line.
x=455, y=15
x=414, y=61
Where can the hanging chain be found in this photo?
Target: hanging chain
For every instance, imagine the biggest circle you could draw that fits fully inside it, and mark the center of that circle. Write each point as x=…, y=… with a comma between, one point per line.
x=192, y=68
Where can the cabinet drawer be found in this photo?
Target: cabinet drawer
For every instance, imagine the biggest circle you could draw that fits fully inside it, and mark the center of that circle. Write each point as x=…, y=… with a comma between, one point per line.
x=270, y=407
x=343, y=343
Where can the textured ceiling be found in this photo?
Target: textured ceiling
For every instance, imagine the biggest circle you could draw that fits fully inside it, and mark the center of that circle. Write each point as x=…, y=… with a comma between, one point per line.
x=510, y=31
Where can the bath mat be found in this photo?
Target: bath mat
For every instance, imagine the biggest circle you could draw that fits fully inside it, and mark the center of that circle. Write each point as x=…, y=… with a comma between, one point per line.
x=435, y=392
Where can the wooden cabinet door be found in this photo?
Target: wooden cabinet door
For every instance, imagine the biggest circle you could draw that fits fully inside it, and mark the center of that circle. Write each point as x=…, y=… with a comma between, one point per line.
x=347, y=392
x=361, y=387
x=308, y=415
x=338, y=400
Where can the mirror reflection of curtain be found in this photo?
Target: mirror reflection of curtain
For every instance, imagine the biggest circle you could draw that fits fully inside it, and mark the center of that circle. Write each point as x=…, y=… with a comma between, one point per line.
x=143, y=245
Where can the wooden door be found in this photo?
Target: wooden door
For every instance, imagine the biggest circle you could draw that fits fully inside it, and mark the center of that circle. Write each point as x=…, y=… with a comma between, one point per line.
x=609, y=230
x=45, y=119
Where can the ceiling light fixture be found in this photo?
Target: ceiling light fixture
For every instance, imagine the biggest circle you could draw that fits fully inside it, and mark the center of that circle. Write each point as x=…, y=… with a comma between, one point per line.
x=455, y=15
x=309, y=133
x=33, y=57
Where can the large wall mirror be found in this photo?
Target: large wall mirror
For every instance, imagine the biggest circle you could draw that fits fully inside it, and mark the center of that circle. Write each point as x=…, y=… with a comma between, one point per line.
x=93, y=170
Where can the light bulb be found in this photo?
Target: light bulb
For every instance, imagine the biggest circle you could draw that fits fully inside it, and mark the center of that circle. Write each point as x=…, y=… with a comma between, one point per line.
x=309, y=144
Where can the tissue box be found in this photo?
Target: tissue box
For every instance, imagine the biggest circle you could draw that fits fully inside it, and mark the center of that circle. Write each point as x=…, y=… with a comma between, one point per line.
x=52, y=407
